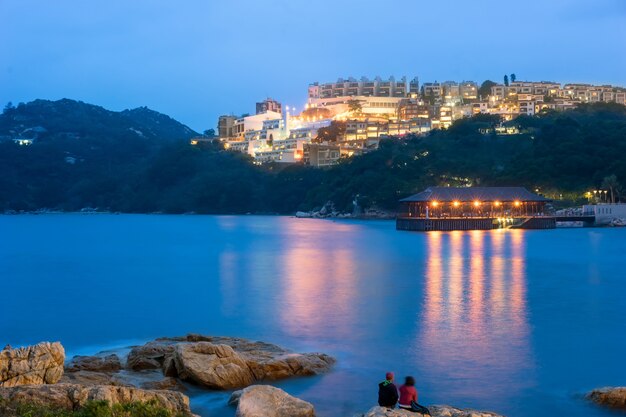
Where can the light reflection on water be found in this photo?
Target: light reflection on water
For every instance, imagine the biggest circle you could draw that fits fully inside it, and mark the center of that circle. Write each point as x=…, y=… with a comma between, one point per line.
x=515, y=321
x=473, y=326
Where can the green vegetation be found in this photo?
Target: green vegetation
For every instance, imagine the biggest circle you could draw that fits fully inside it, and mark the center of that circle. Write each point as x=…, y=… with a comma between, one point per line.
x=564, y=155
x=91, y=409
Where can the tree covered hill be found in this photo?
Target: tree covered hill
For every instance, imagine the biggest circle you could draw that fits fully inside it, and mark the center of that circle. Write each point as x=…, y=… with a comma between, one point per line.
x=44, y=119
x=561, y=154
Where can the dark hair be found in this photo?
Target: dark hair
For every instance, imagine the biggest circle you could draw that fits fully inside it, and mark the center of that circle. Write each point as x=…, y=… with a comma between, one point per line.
x=409, y=380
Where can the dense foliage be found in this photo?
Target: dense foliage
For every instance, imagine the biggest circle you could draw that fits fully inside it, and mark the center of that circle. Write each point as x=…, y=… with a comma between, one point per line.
x=558, y=153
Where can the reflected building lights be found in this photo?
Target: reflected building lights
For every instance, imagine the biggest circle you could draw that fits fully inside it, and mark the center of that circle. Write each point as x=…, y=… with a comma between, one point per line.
x=474, y=320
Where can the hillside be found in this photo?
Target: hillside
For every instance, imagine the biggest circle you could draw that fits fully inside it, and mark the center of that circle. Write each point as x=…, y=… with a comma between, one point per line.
x=112, y=167
x=44, y=120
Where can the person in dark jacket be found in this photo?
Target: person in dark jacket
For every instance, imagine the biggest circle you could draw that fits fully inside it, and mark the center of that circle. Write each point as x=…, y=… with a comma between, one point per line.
x=387, y=392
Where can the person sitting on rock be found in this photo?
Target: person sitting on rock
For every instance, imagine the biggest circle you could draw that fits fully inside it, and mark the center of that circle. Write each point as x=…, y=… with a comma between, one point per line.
x=387, y=392
x=408, y=393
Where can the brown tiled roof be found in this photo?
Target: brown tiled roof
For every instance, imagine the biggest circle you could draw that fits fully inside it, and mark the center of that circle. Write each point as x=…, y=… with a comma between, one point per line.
x=475, y=193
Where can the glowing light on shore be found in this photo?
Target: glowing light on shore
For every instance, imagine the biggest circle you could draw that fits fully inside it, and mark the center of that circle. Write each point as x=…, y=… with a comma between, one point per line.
x=476, y=203
x=517, y=203
x=434, y=203
x=456, y=203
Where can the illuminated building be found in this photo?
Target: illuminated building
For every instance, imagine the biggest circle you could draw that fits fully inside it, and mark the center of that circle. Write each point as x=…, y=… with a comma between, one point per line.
x=269, y=105
x=469, y=208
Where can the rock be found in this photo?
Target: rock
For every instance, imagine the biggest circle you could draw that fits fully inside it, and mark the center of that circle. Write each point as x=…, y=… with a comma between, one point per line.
x=268, y=401
x=94, y=378
x=110, y=363
x=149, y=356
x=38, y=364
x=211, y=365
x=236, y=364
x=291, y=364
x=234, y=397
x=171, y=384
x=435, y=410
x=614, y=397
x=71, y=396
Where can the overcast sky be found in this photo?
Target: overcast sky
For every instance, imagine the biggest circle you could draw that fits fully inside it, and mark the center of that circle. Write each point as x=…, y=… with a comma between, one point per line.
x=195, y=60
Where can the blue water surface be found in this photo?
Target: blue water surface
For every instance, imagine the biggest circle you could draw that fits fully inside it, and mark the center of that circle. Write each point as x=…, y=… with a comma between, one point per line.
x=519, y=322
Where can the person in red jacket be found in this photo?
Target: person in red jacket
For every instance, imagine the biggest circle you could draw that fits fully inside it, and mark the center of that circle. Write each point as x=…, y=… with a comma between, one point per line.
x=408, y=393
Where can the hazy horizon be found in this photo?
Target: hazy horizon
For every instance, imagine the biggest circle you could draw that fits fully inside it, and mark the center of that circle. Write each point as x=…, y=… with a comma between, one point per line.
x=198, y=61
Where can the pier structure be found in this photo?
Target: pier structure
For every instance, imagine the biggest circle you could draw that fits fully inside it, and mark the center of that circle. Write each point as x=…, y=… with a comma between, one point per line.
x=474, y=208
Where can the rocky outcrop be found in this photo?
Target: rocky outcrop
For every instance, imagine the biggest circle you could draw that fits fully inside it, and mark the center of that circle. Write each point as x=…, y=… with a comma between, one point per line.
x=211, y=365
x=171, y=384
x=109, y=363
x=38, y=364
x=268, y=401
x=72, y=397
x=152, y=355
x=95, y=378
x=225, y=362
x=435, y=411
x=614, y=397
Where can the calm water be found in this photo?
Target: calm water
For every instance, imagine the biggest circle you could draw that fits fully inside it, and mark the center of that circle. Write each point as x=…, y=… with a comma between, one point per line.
x=519, y=322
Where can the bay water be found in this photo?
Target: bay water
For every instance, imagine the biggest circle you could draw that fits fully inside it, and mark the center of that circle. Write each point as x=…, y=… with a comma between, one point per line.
x=522, y=323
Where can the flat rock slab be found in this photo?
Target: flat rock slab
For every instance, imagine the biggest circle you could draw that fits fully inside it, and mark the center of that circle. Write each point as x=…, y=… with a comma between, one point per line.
x=613, y=397
x=72, y=396
x=38, y=364
x=268, y=401
x=108, y=363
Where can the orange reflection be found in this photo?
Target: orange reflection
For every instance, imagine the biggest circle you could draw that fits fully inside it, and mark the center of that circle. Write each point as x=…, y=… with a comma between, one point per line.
x=474, y=325
x=320, y=286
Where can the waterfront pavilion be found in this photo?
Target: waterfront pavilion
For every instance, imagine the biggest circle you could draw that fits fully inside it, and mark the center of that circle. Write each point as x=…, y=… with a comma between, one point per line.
x=468, y=208
x=460, y=202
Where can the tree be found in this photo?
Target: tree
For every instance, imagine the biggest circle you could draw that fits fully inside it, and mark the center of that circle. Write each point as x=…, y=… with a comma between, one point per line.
x=355, y=106
x=8, y=108
x=209, y=133
x=485, y=88
x=611, y=184
x=513, y=77
x=506, y=80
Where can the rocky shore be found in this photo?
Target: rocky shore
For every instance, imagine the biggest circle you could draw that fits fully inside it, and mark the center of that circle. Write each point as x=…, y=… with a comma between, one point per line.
x=160, y=371
x=156, y=372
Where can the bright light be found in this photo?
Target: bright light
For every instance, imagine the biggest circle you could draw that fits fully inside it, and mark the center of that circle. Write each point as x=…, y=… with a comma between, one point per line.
x=497, y=203
x=476, y=203
x=517, y=203
x=456, y=203
x=434, y=203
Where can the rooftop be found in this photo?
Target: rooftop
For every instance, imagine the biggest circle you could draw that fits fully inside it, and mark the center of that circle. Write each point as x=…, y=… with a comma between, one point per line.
x=449, y=194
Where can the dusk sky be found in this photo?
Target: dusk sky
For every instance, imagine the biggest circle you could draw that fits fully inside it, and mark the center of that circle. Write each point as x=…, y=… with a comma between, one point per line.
x=195, y=60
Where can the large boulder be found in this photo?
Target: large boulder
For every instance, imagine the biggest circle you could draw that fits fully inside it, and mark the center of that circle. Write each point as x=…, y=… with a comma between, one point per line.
x=236, y=364
x=71, y=396
x=435, y=410
x=213, y=366
x=152, y=355
x=268, y=401
x=38, y=364
x=614, y=397
x=109, y=363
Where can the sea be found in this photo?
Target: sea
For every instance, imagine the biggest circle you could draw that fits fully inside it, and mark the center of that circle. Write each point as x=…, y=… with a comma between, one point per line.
x=519, y=322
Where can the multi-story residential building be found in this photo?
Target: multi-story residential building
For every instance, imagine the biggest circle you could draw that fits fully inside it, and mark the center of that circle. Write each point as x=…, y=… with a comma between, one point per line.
x=468, y=90
x=269, y=104
x=412, y=108
x=225, y=126
x=451, y=92
x=363, y=87
x=321, y=155
x=432, y=91
x=251, y=123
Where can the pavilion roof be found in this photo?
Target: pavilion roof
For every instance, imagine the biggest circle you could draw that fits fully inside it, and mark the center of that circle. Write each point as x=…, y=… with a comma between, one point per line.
x=475, y=193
